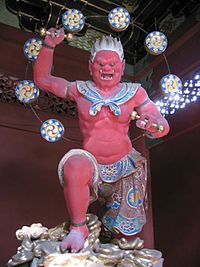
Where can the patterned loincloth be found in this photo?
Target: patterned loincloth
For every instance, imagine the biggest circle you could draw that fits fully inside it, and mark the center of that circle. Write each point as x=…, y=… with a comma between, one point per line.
x=122, y=185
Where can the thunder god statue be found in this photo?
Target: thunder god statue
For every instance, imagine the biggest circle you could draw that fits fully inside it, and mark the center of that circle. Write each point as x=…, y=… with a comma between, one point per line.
x=107, y=167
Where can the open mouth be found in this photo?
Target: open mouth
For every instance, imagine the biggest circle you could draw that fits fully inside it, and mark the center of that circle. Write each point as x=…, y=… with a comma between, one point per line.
x=106, y=76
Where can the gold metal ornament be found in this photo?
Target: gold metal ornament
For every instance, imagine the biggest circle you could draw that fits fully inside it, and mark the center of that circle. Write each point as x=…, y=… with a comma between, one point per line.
x=42, y=32
x=136, y=116
x=69, y=37
x=44, y=249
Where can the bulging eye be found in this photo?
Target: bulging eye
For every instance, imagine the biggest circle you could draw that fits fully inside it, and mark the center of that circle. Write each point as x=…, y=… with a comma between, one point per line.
x=101, y=64
x=112, y=64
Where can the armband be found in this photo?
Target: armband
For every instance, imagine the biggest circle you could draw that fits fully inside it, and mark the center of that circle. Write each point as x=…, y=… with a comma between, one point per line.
x=149, y=135
x=79, y=224
x=143, y=104
x=69, y=86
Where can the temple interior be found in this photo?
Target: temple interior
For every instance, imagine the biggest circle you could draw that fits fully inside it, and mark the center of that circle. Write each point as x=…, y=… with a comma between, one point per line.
x=29, y=189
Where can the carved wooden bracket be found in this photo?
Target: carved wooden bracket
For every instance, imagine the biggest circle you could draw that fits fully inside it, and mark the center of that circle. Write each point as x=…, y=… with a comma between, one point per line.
x=46, y=101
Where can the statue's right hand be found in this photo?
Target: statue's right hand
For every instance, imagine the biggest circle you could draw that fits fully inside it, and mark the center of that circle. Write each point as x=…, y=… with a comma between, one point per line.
x=55, y=37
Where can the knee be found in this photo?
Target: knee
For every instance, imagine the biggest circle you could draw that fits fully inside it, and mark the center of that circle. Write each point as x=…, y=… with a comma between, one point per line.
x=78, y=169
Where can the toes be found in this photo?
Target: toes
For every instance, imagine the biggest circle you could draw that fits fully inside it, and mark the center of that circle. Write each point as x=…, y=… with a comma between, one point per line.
x=73, y=242
x=76, y=247
x=64, y=246
x=63, y=250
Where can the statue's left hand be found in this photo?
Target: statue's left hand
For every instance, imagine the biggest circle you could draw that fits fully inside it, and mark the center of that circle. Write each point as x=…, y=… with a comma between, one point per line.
x=147, y=122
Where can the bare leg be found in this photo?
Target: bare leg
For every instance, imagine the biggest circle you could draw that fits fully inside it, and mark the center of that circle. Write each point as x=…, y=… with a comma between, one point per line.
x=78, y=172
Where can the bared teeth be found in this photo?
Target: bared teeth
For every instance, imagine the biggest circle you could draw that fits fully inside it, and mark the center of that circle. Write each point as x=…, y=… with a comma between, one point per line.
x=106, y=76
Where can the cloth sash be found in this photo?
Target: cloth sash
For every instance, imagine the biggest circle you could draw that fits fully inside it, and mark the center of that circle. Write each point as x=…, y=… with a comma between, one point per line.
x=91, y=93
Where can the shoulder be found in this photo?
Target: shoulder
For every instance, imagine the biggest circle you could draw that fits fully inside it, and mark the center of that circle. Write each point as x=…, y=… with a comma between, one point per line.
x=131, y=88
x=140, y=96
x=128, y=90
x=132, y=85
x=73, y=89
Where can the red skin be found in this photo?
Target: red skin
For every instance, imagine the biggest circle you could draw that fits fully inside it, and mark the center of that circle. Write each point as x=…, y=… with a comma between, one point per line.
x=104, y=135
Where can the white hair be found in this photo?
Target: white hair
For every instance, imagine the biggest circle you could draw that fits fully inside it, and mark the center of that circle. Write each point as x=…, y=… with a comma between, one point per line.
x=107, y=43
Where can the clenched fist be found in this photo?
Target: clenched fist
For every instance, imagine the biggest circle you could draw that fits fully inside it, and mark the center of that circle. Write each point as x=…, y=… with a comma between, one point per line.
x=54, y=37
x=149, y=123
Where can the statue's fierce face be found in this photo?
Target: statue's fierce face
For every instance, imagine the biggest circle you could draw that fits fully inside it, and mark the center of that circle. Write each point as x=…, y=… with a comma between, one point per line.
x=106, y=69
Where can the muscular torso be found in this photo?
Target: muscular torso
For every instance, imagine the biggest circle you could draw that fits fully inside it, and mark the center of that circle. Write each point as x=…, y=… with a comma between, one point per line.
x=105, y=135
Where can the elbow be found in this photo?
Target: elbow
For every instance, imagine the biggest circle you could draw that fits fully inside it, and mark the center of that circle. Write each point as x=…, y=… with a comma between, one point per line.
x=39, y=77
x=166, y=128
x=38, y=81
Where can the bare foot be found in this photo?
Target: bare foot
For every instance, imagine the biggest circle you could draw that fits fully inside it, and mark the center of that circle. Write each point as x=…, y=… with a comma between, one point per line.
x=75, y=240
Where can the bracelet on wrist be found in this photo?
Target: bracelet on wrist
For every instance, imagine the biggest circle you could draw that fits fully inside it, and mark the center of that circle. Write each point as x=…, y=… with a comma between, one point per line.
x=149, y=135
x=48, y=46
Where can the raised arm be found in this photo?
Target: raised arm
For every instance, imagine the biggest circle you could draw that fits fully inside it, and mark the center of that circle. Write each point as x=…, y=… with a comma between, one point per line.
x=43, y=64
x=148, y=112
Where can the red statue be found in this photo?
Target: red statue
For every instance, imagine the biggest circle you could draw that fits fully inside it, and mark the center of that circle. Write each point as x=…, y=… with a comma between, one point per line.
x=107, y=165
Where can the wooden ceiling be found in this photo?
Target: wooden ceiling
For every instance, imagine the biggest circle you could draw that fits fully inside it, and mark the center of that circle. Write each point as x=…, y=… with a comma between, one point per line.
x=146, y=16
